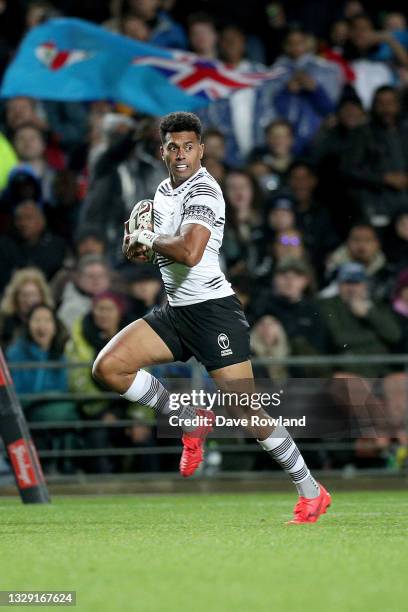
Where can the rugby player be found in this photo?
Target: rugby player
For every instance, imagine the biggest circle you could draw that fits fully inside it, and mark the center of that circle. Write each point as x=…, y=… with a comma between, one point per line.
x=202, y=318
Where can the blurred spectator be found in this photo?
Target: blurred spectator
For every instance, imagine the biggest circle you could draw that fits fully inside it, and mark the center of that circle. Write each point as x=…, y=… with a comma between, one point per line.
x=273, y=30
x=26, y=289
x=134, y=27
x=202, y=35
x=44, y=340
x=376, y=166
x=87, y=241
x=243, y=213
x=67, y=121
x=276, y=155
x=243, y=116
x=400, y=307
x=363, y=51
x=363, y=247
x=89, y=334
x=339, y=33
x=31, y=243
x=29, y=144
x=279, y=220
x=312, y=218
x=396, y=240
x=93, y=276
x=280, y=214
x=330, y=148
x=154, y=24
x=358, y=325
x=308, y=90
x=37, y=12
x=23, y=110
x=288, y=243
x=268, y=339
x=65, y=204
x=289, y=302
x=123, y=174
x=144, y=289
x=214, y=154
x=214, y=145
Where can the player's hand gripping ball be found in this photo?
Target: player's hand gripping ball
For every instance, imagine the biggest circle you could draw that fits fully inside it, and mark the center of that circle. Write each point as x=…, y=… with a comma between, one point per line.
x=140, y=218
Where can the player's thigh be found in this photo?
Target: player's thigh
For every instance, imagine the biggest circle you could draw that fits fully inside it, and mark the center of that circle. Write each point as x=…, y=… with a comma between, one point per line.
x=237, y=377
x=134, y=347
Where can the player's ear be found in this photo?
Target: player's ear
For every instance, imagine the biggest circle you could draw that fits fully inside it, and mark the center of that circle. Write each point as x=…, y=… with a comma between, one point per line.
x=162, y=152
x=201, y=151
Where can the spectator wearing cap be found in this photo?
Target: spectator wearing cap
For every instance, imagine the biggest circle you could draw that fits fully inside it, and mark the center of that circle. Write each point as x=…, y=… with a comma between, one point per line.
x=290, y=300
x=313, y=219
x=362, y=246
x=376, y=167
x=280, y=220
x=89, y=334
x=30, y=244
x=357, y=324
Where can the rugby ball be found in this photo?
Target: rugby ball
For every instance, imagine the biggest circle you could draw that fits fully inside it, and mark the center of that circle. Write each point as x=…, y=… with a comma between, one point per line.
x=141, y=216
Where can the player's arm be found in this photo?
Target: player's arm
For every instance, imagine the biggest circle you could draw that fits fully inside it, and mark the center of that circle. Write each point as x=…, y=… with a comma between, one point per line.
x=186, y=248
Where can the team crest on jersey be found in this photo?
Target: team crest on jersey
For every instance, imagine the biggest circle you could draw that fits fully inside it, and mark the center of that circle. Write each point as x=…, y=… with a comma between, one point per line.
x=223, y=343
x=54, y=58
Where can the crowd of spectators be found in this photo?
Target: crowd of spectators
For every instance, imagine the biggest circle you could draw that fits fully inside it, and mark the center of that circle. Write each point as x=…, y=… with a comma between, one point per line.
x=314, y=169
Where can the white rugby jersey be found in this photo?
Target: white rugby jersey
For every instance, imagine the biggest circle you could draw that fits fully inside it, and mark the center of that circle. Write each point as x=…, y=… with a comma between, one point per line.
x=198, y=200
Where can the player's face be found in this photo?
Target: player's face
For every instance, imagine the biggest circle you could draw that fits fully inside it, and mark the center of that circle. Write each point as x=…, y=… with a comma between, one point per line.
x=182, y=153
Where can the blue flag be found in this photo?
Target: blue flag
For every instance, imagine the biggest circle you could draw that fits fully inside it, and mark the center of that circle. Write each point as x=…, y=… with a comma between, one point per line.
x=74, y=60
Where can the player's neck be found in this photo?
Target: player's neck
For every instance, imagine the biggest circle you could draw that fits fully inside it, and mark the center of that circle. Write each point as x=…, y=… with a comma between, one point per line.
x=177, y=183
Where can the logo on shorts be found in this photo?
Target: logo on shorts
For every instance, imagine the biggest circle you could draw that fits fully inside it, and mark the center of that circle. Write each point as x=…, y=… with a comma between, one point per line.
x=223, y=343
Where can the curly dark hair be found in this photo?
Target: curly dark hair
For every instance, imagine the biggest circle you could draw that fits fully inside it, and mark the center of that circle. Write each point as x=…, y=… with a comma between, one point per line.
x=180, y=122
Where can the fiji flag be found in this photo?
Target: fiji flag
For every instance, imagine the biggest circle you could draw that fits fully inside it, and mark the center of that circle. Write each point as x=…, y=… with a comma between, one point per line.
x=73, y=60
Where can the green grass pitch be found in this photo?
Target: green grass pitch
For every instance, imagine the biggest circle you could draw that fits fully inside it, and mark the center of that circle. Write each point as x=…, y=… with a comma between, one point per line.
x=210, y=553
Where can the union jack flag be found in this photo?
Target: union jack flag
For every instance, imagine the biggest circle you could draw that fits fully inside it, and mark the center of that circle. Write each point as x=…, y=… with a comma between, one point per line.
x=207, y=79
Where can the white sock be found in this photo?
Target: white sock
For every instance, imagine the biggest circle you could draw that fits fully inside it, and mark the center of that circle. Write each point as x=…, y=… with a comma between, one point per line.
x=282, y=448
x=148, y=391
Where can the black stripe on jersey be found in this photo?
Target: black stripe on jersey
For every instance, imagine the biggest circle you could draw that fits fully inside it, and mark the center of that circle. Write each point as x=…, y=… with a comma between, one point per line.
x=165, y=189
x=188, y=184
x=199, y=190
x=165, y=264
x=199, y=213
x=213, y=281
x=217, y=285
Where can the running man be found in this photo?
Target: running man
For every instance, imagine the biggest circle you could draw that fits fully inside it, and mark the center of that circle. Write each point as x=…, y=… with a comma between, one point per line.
x=203, y=317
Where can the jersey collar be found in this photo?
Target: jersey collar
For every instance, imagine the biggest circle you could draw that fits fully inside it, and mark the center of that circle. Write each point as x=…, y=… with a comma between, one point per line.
x=184, y=185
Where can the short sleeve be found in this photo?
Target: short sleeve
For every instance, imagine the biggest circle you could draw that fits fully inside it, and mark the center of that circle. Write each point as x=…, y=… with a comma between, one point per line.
x=202, y=206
